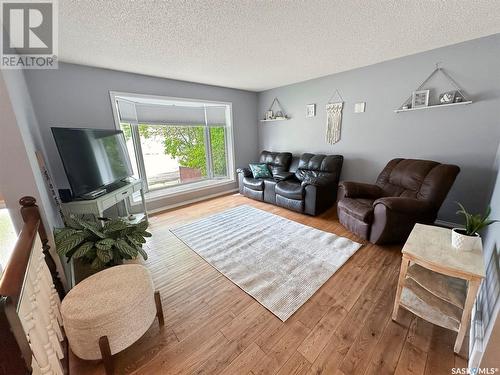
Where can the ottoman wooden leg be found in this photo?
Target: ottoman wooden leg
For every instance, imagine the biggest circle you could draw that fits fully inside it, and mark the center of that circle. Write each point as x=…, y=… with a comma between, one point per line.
x=107, y=358
x=159, y=309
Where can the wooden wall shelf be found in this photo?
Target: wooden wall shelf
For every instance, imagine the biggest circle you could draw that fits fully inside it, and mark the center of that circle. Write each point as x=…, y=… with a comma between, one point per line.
x=433, y=106
x=275, y=119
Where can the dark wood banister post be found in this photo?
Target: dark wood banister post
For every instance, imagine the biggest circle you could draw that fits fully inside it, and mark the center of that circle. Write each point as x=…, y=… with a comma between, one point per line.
x=29, y=211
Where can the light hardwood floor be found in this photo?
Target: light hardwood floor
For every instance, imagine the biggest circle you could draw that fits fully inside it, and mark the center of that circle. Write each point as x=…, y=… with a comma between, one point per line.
x=213, y=327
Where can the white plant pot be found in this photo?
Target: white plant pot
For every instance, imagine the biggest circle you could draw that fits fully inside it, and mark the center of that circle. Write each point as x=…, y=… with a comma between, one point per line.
x=463, y=242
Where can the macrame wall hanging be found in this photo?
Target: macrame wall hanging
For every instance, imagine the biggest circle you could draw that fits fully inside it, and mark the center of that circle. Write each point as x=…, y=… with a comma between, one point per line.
x=334, y=117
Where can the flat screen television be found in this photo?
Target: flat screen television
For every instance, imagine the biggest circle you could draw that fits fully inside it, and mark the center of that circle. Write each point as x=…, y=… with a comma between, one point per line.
x=92, y=158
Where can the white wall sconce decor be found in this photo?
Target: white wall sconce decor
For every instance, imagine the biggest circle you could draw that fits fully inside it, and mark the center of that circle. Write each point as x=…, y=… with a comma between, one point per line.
x=310, y=110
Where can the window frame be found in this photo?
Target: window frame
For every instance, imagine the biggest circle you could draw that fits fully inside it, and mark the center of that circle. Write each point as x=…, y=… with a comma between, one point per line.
x=190, y=185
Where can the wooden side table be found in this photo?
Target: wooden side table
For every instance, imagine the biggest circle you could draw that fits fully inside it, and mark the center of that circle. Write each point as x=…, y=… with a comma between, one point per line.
x=437, y=282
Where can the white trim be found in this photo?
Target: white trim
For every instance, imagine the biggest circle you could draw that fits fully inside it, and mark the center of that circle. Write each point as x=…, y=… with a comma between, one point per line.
x=188, y=188
x=194, y=200
x=479, y=343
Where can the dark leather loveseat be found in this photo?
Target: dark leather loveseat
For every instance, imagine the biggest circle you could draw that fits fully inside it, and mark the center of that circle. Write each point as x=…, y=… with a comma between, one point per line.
x=407, y=191
x=306, y=184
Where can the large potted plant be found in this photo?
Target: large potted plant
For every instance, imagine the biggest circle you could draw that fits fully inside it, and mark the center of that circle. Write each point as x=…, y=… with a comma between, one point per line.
x=99, y=246
x=468, y=238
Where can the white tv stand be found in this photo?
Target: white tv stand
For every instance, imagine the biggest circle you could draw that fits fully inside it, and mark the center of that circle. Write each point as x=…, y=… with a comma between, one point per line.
x=98, y=205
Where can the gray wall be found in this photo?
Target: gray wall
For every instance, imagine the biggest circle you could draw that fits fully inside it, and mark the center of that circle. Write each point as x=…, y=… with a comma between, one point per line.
x=488, y=301
x=466, y=135
x=78, y=96
x=20, y=173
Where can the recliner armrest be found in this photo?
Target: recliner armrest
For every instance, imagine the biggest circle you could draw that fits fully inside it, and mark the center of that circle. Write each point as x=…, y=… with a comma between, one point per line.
x=405, y=205
x=246, y=172
x=360, y=190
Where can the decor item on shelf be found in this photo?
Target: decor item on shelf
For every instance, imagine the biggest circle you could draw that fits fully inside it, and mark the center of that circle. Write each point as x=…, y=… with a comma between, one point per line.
x=447, y=97
x=278, y=114
x=310, y=110
x=101, y=245
x=334, y=117
x=468, y=238
x=420, y=98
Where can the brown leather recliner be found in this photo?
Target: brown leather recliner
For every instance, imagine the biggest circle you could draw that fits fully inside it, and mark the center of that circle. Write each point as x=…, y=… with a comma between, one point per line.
x=407, y=191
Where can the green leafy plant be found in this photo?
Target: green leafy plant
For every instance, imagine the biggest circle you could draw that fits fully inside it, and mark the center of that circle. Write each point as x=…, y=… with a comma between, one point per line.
x=474, y=223
x=187, y=144
x=101, y=245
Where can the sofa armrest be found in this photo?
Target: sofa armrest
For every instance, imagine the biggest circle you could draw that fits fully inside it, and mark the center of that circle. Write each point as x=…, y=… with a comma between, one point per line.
x=360, y=190
x=246, y=172
x=410, y=206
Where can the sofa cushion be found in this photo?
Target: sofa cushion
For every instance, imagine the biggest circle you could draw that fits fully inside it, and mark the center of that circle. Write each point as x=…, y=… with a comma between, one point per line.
x=253, y=183
x=361, y=209
x=277, y=161
x=290, y=189
x=260, y=170
x=319, y=170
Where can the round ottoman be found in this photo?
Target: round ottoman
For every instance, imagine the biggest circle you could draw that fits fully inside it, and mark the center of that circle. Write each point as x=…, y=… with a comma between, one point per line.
x=117, y=303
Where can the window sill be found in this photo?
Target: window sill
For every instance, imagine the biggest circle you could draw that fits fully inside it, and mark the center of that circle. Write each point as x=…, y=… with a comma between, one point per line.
x=187, y=188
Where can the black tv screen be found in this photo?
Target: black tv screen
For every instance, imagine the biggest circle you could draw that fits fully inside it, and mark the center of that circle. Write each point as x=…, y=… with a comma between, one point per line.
x=92, y=158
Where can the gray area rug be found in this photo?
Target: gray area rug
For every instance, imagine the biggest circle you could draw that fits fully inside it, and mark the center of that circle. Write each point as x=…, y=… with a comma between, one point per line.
x=277, y=261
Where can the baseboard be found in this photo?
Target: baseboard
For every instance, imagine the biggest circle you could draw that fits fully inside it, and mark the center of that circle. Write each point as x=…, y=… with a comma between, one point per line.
x=191, y=201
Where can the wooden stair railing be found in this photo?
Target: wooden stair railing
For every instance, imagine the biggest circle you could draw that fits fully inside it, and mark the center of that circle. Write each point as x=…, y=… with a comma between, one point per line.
x=31, y=338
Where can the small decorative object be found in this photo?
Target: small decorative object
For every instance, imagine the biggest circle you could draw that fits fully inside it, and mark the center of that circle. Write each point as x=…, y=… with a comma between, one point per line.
x=467, y=239
x=278, y=114
x=447, y=97
x=359, y=107
x=420, y=99
x=310, y=110
x=101, y=246
x=334, y=118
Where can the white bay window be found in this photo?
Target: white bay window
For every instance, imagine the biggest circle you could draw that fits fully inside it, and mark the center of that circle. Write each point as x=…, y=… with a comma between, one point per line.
x=176, y=144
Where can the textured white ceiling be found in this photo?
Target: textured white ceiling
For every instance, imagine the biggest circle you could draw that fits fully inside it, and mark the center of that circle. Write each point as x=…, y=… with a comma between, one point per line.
x=257, y=44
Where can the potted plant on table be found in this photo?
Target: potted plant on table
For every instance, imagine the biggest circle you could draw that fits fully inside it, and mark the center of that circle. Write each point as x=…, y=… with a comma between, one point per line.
x=99, y=246
x=468, y=238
